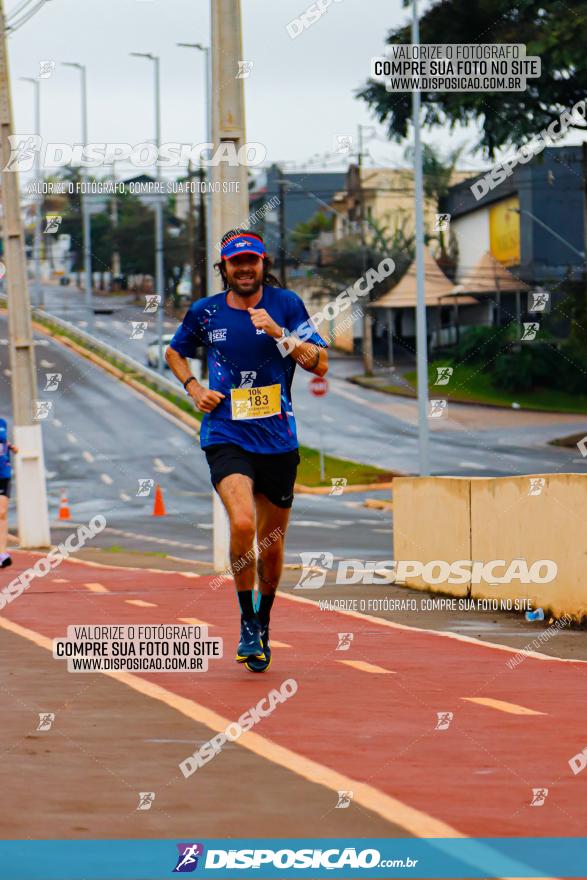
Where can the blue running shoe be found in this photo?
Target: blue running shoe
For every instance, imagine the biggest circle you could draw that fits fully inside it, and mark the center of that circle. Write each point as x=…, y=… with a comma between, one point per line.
x=250, y=641
x=256, y=664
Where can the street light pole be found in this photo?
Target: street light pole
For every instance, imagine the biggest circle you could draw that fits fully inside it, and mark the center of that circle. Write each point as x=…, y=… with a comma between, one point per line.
x=209, y=245
x=421, y=332
x=86, y=218
x=367, y=321
x=39, y=295
x=159, y=283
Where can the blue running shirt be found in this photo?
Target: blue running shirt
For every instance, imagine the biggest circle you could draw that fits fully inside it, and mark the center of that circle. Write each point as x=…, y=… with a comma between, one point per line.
x=5, y=466
x=240, y=356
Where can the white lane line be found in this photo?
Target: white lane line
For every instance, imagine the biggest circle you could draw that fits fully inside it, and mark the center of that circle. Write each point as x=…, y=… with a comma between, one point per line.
x=312, y=524
x=88, y=457
x=124, y=497
x=164, y=541
x=57, y=423
x=473, y=465
x=106, y=479
x=72, y=438
x=161, y=467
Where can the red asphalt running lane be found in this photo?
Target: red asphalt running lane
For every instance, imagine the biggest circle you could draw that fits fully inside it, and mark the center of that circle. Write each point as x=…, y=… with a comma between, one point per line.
x=477, y=776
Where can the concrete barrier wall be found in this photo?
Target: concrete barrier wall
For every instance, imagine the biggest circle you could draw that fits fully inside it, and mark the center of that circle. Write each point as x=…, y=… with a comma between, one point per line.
x=519, y=517
x=432, y=518
x=529, y=518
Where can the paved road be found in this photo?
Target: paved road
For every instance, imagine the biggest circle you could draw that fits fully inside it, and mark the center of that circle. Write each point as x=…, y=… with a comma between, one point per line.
x=434, y=734
x=364, y=425
x=102, y=438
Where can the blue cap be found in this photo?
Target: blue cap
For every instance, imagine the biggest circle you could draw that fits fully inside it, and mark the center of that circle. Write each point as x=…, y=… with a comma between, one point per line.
x=246, y=243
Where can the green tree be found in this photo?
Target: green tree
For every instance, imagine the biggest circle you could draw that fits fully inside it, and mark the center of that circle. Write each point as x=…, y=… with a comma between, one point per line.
x=305, y=233
x=549, y=28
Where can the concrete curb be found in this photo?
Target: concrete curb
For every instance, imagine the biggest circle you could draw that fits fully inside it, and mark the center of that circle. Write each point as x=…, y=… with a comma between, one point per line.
x=326, y=490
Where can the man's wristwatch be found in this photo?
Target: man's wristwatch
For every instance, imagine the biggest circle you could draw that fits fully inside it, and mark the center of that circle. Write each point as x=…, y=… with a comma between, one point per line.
x=187, y=382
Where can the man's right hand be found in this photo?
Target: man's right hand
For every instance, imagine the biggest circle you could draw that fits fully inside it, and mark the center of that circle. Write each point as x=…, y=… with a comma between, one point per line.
x=205, y=399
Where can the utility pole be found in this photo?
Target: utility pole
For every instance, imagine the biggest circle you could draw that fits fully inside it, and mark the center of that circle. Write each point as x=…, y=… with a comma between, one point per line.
x=421, y=331
x=367, y=320
x=229, y=209
x=33, y=515
x=39, y=296
x=282, y=239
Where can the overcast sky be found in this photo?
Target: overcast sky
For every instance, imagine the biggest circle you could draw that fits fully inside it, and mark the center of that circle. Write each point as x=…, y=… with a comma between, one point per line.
x=299, y=96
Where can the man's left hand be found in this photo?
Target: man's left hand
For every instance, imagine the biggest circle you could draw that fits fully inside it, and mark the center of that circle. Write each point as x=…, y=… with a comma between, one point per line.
x=262, y=320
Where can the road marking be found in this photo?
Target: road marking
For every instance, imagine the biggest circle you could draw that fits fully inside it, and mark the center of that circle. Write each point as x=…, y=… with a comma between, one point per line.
x=502, y=706
x=61, y=581
x=195, y=621
x=72, y=438
x=124, y=497
x=140, y=603
x=57, y=423
x=106, y=479
x=363, y=666
x=276, y=644
x=391, y=624
x=88, y=457
x=96, y=588
x=473, y=464
x=161, y=467
x=389, y=808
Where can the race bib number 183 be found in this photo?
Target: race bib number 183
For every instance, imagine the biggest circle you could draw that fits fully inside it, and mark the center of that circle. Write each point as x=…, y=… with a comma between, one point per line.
x=256, y=403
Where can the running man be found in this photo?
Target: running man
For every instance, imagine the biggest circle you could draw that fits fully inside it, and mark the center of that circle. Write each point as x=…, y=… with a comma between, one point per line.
x=5, y=479
x=249, y=432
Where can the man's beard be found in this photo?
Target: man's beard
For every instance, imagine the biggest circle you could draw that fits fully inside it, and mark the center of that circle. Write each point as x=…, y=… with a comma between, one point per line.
x=249, y=291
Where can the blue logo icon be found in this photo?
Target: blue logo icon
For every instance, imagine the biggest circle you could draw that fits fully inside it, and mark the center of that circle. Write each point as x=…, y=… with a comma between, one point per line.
x=189, y=854
x=535, y=615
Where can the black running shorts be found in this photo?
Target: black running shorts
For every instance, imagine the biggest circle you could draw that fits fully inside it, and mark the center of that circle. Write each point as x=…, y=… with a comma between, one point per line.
x=5, y=486
x=273, y=475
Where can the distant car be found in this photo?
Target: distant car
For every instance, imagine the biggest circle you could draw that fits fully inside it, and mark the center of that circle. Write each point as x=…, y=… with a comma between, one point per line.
x=153, y=351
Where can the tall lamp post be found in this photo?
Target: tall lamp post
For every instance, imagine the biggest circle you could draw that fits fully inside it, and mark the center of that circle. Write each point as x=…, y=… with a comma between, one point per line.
x=159, y=285
x=87, y=225
x=209, y=256
x=421, y=331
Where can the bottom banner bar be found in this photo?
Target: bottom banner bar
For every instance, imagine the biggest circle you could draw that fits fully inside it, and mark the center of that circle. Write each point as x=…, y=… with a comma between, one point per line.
x=275, y=858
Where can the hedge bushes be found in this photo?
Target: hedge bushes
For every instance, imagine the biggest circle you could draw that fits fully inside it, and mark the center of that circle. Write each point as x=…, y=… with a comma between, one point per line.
x=524, y=366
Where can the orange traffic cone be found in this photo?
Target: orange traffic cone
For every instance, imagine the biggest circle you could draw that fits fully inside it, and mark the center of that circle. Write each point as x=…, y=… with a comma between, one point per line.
x=159, y=506
x=64, y=507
